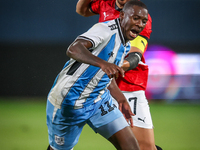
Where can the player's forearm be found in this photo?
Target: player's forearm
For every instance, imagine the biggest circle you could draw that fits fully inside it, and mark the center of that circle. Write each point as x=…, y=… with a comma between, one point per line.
x=116, y=92
x=79, y=51
x=125, y=65
x=133, y=59
x=83, y=8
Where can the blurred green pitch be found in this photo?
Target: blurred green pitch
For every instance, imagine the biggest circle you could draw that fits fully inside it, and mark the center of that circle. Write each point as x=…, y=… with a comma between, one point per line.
x=23, y=126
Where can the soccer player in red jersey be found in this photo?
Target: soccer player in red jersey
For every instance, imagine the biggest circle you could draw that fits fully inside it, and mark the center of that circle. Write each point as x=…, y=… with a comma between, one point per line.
x=133, y=85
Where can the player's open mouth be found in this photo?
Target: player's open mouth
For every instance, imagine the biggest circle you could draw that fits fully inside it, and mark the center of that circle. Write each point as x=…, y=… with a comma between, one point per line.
x=133, y=33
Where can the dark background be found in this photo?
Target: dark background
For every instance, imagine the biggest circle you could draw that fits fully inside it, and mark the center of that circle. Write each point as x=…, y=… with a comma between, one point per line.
x=34, y=36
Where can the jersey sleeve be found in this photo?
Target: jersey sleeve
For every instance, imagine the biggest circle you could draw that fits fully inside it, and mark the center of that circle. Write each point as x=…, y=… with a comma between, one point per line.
x=95, y=6
x=96, y=35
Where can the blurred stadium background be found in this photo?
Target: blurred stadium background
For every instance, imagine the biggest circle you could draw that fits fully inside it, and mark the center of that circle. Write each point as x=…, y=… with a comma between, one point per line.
x=34, y=36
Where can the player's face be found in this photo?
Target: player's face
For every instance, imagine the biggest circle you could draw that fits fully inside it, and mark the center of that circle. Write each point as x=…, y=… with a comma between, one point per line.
x=120, y=3
x=133, y=21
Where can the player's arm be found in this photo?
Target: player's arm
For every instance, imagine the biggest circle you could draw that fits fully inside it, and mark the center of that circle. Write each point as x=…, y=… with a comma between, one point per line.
x=121, y=99
x=78, y=50
x=138, y=47
x=83, y=8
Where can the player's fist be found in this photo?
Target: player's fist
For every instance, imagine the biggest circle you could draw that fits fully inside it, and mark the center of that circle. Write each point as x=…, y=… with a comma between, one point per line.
x=112, y=70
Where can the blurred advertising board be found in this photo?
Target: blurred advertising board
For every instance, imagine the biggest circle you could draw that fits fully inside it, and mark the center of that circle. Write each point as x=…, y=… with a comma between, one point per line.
x=172, y=76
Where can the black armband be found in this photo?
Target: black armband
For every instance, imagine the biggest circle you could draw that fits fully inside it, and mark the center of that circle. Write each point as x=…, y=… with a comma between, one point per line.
x=133, y=59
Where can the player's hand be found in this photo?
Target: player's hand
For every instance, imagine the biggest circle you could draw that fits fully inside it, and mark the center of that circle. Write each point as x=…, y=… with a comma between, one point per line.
x=112, y=70
x=126, y=111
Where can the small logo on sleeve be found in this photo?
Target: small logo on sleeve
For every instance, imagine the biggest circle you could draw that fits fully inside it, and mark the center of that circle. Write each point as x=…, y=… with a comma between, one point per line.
x=143, y=43
x=59, y=140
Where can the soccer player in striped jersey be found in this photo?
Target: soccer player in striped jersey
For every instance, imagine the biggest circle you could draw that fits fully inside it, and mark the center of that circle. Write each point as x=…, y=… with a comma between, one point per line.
x=133, y=85
x=81, y=91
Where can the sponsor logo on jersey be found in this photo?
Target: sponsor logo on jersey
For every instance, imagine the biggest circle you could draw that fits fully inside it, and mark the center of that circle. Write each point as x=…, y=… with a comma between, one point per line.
x=113, y=26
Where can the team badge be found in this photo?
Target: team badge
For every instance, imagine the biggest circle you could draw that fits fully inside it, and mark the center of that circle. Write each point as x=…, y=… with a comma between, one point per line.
x=59, y=140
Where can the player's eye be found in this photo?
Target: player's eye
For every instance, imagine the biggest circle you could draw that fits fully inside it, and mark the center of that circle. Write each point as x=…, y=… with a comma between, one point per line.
x=135, y=18
x=144, y=21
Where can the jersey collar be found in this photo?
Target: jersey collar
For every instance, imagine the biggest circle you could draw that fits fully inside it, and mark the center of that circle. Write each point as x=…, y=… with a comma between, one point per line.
x=120, y=32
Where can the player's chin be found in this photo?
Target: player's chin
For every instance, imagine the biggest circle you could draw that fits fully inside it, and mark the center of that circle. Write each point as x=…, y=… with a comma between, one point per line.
x=130, y=38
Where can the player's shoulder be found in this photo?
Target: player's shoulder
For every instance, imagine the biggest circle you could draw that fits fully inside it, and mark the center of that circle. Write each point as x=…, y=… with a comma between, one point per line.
x=105, y=30
x=107, y=25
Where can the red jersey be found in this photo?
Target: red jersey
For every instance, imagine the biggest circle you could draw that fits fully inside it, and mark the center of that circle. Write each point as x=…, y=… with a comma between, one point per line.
x=135, y=79
x=107, y=9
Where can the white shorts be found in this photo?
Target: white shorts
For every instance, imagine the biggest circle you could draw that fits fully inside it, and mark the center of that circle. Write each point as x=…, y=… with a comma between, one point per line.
x=140, y=107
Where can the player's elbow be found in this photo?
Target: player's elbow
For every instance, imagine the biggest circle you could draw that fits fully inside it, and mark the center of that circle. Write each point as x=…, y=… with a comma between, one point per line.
x=74, y=49
x=81, y=12
x=78, y=11
x=70, y=51
x=84, y=11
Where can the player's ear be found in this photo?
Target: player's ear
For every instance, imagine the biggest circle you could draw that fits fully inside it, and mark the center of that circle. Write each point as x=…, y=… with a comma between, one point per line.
x=121, y=15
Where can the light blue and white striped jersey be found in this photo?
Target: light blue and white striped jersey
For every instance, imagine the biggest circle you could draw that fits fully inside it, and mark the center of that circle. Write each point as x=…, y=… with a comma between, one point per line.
x=80, y=85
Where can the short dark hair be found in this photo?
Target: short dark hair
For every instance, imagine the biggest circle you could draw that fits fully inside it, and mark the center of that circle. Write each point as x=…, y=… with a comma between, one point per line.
x=132, y=3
